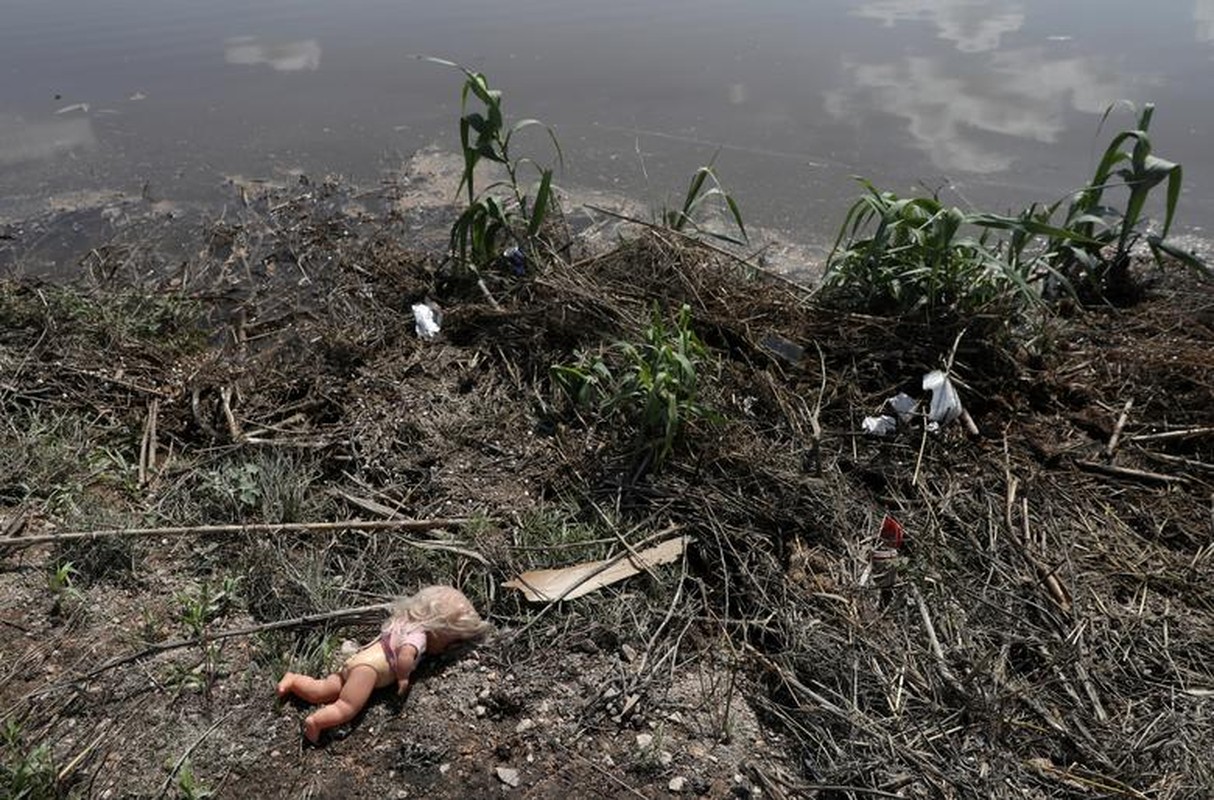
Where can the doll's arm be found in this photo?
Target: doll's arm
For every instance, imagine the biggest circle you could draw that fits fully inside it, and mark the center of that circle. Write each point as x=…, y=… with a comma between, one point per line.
x=406, y=660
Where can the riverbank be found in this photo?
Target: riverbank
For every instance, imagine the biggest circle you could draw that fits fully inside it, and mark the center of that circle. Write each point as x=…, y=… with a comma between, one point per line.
x=1042, y=628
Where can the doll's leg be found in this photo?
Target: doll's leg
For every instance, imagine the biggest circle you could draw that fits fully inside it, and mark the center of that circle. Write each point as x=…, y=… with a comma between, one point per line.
x=312, y=690
x=360, y=682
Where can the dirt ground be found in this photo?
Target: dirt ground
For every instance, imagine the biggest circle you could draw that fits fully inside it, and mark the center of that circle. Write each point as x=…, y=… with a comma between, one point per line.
x=1045, y=630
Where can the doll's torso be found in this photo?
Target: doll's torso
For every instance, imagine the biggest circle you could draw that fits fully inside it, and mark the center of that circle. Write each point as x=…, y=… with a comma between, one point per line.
x=381, y=654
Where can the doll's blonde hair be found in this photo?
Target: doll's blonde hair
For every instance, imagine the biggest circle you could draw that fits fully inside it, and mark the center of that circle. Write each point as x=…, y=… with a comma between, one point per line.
x=438, y=608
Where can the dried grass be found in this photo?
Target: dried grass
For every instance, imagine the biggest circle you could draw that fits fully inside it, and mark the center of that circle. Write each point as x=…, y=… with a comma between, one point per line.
x=1047, y=631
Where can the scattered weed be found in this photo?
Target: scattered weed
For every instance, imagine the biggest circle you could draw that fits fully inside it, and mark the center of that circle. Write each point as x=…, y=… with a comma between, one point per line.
x=195, y=612
x=46, y=451
x=63, y=592
x=308, y=652
x=268, y=487
x=654, y=384
x=551, y=536
x=166, y=322
x=26, y=774
x=188, y=785
x=94, y=561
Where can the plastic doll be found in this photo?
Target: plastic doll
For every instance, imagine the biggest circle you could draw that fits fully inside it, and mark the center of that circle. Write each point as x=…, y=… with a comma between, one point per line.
x=430, y=621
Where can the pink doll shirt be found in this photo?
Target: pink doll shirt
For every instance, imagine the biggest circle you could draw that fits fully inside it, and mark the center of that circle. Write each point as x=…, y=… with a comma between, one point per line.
x=393, y=642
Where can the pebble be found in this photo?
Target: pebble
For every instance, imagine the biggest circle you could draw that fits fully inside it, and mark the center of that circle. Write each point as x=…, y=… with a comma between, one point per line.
x=443, y=769
x=665, y=758
x=480, y=711
x=644, y=740
x=525, y=725
x=677, y=783
x=508, y=776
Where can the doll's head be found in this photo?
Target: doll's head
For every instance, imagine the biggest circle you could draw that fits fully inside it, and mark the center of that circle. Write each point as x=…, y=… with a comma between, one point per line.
x=442, y=612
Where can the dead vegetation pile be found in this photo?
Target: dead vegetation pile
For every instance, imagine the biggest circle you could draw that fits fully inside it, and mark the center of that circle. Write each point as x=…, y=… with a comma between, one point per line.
x=1045, y=630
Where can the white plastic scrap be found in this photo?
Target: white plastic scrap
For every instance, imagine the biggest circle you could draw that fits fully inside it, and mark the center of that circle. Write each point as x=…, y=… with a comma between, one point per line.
x=426, y=320
x=946, y=405
x=903, y=405
x=883, y=425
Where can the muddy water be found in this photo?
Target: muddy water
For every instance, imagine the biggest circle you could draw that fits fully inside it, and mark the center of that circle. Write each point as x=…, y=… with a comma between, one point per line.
x=994, y=102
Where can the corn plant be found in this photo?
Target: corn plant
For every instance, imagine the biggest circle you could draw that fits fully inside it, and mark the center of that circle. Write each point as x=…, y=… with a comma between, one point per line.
x=1100, y=261
x=918, y=256
x=700, y=194
x=915, y=255
x=503, y=210
x=654, y=384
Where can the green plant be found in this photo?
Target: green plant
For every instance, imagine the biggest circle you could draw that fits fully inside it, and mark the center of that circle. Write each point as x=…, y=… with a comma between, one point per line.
x=1098, y=264
x=196, y=611
x=504, y=209
x=553, y=534
x=188, y=785
x=699, y=195
x=59, y=581
x=655, y=385
x=918, y=257
x=307, y=653
x=26, y=774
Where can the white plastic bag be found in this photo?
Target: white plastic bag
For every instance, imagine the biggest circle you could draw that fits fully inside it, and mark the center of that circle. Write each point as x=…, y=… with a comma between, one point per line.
x=883, y=425
x=426, y=320
x=903, y=405
x=946, y=405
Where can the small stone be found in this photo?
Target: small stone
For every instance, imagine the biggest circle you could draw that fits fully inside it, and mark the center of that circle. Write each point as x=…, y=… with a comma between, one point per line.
x=630, y=655
x=275, y=754
x=665, y=758
x=525, y=725
x=508, y=776
x=480, y=711
x=644, y=740
x=677, y=783
x=401, y=794
x=443, y=769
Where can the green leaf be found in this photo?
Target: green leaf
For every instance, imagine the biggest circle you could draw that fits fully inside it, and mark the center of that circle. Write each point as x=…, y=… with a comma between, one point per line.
x=543, y=196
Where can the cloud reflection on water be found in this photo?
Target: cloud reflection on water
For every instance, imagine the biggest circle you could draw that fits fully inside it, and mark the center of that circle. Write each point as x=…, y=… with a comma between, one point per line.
x=284, y=57
x=952, y=113
x=22, y=141
x=1203, y=20
x=974, y=26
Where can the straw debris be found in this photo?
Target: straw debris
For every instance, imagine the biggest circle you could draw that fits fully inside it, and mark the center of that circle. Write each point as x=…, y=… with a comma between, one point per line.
x=1046, y=629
